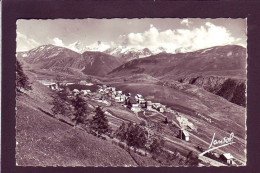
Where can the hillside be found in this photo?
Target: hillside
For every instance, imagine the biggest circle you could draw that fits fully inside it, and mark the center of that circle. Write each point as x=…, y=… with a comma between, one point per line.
x=45, y=141
x=99, y=64
x=59, y=59
x=215, y=60
x=48, y=56
x=232, y=89
x=220, y=70
x=225, y=117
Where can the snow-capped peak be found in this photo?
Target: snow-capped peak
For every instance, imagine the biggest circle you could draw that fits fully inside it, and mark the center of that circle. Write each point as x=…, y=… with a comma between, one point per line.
x=77, y=47
x=98, y=47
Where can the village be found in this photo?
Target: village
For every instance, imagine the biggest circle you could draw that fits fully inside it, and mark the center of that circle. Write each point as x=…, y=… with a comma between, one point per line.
x=107, y=95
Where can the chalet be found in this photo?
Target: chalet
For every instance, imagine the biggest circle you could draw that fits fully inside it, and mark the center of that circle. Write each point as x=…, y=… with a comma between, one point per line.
x=106, y=91
x=123, y=98
x=164, y=107
x=69, y=83
x=89, y=84
x=118, y=99
x=101, y=90
x=82, y=82
x=141, y=100
x=136, y=108
x=143, y=104
x=228, y=158
x=53, y=86
x=113, y=89
x=130, y=101
x=161, y=109
x=169, y=110
x=184, y=134
x=139, y=95
x=113, y=92
x=98, y=96
x=156, y=105
x=149, y=105
x=85, y=92
x=75, y=91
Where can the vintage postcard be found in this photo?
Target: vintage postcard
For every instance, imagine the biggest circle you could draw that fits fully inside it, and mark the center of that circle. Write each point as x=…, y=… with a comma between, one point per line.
x=150, y=92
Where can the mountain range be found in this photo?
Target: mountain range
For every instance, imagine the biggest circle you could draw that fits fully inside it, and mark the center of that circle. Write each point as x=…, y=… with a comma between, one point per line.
x=212, y=68
x=220, y=60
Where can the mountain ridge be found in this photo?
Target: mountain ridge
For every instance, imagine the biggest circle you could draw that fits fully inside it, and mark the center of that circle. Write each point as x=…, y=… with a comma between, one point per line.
x=57, y=58
x=217, y=58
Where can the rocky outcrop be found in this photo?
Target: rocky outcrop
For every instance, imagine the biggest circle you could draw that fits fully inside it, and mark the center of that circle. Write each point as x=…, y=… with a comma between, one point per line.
x=231, y=89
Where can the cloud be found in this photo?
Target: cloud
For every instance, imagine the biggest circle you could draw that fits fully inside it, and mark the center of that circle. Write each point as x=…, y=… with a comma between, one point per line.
x=58, y=42
x=23, y=43
x=207, y=35
x=186, y=22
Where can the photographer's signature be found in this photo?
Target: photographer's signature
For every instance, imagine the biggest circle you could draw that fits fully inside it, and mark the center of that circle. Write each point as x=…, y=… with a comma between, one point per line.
x=225, y=140
x=218, y=143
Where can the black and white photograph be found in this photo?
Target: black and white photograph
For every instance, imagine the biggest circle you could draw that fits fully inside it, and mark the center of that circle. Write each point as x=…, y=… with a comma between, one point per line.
x=141, y=92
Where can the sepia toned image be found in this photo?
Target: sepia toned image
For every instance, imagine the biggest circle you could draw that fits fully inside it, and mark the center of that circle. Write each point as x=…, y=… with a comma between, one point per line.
x=161, y=92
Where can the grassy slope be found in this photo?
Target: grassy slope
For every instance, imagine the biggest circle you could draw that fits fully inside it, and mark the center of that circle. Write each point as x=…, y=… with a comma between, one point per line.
x=45, y=141
x=226, y=117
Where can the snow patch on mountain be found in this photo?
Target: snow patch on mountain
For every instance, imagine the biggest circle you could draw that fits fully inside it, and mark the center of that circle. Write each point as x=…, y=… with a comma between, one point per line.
x=97, y=47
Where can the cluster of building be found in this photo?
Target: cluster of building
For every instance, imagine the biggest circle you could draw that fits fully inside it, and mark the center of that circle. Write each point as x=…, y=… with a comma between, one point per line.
x=136, y=103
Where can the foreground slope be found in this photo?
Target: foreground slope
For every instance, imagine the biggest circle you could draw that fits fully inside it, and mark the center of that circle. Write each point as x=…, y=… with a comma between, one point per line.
x=45, y=141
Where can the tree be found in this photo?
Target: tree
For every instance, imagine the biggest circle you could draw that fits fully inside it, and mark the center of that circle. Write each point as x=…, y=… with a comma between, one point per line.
x=120, y=133
x=80, y=109
x=192, y=160
x=22, y=80
x=61, y=103
x=136, y=136
x=99, y=123
x=157, y=145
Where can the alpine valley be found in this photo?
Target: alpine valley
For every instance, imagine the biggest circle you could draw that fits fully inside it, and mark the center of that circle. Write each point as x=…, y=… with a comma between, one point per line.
x=203, y=91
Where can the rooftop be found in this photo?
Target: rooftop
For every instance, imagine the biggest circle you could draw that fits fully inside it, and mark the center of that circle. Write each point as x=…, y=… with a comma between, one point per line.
x=228, y=156
x=185, y=132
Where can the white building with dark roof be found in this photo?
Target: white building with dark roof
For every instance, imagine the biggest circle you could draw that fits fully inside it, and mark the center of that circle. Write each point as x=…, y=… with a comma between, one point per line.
x=228, y=158
x=184, y=134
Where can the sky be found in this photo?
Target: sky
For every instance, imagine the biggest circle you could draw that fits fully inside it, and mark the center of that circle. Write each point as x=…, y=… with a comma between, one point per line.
x=170, y=33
